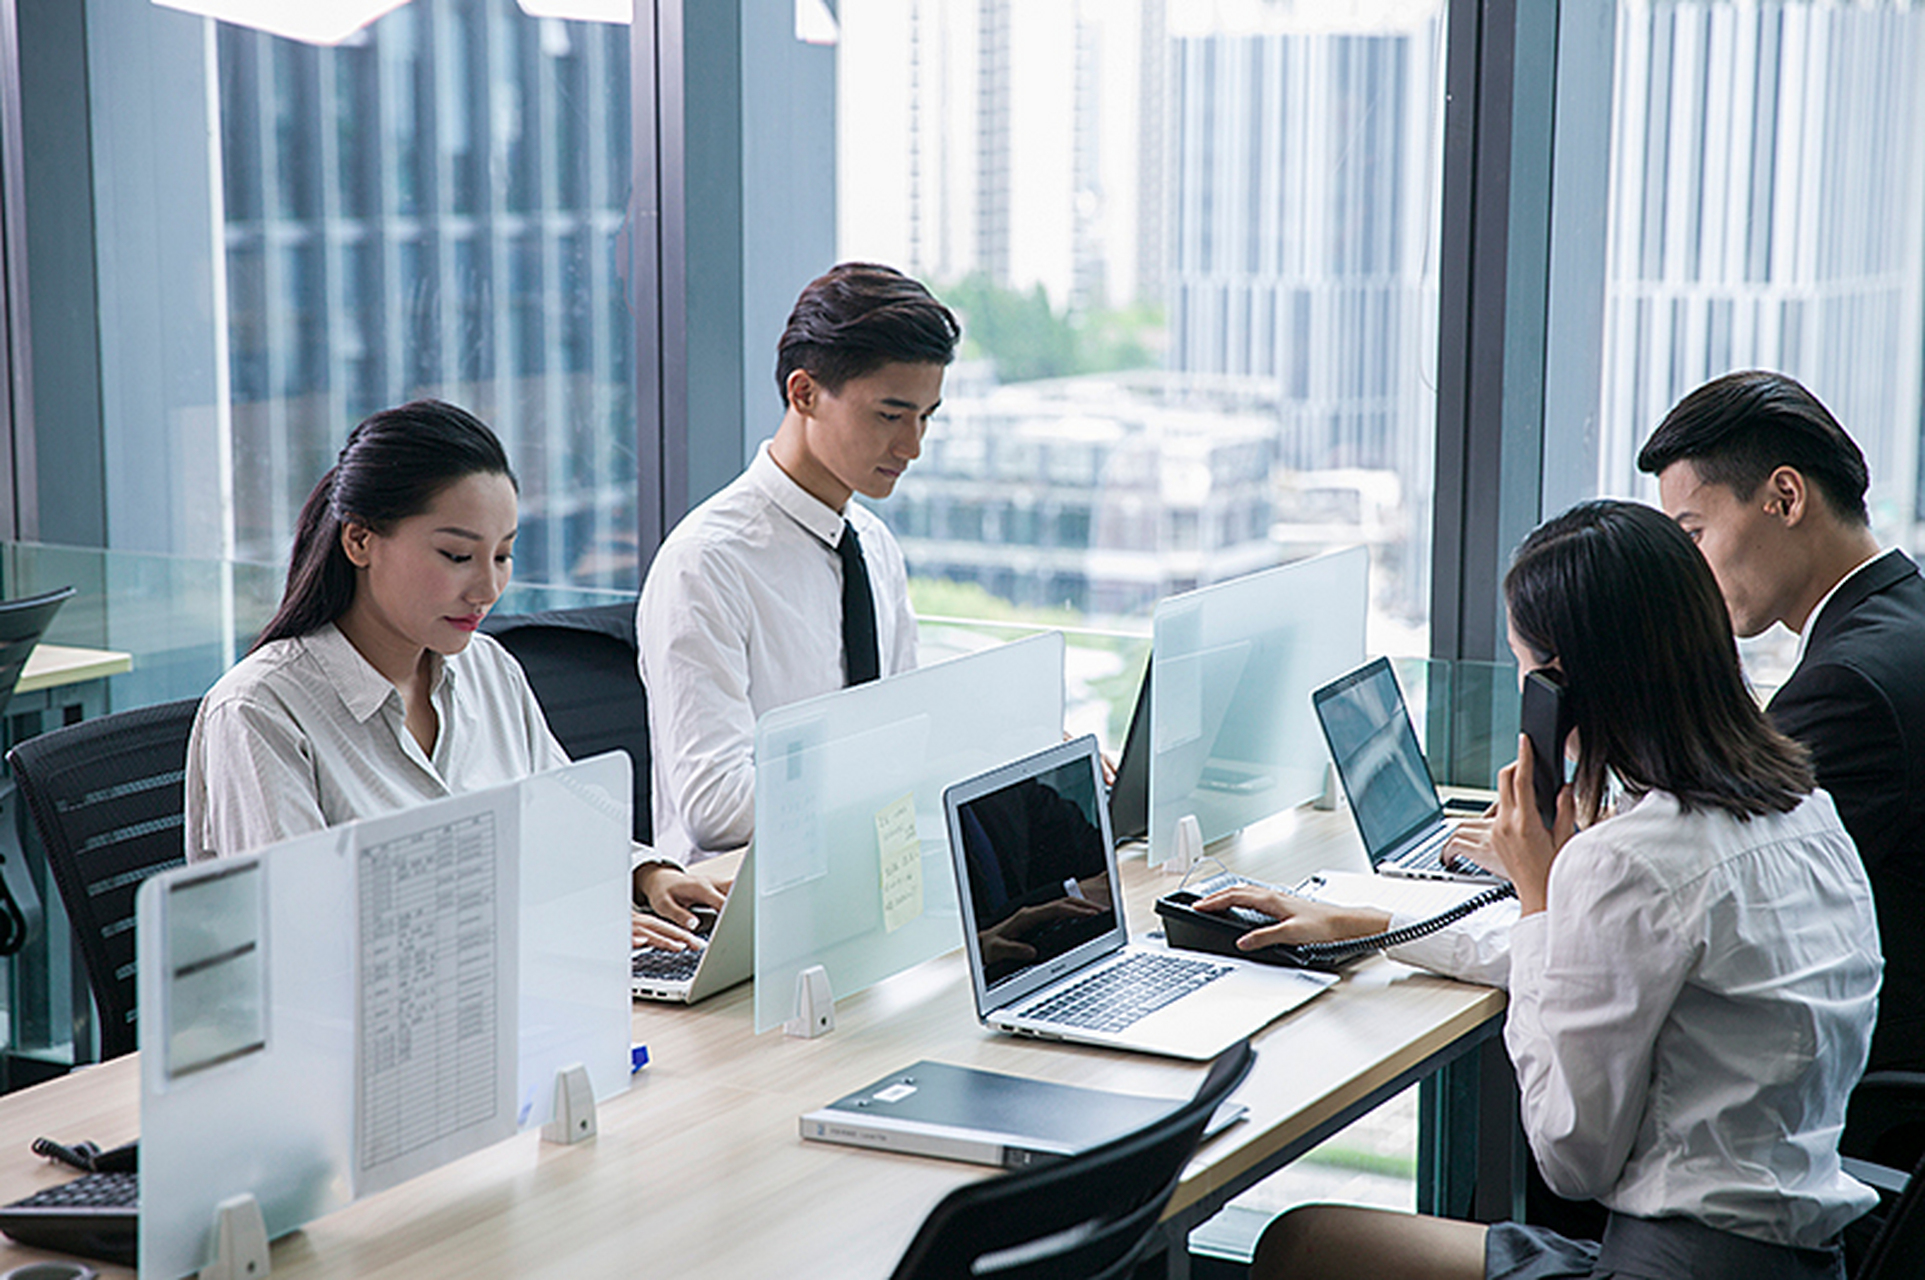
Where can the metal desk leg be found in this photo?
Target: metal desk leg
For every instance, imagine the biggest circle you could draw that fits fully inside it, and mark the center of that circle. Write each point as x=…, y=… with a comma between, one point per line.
x=1470, y=1146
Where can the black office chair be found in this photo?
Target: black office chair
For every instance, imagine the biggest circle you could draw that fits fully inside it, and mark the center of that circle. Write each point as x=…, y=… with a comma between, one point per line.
x=1089, y=1217
x=1886, y=1122
x=22, y=623
x=1898, y=1251
x=106, y=796
x=581, y=665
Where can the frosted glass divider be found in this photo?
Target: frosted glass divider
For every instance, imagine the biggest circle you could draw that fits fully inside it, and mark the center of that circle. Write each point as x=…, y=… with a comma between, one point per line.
x=271, y=1101
x=852, y=867
x=1233, y=734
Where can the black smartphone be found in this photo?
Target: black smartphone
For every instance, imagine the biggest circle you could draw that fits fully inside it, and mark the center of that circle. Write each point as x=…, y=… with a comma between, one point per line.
x=1547, y=722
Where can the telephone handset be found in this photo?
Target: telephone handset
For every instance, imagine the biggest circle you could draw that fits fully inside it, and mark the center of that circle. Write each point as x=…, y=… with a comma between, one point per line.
x=1546, y=717
x=1217, y=932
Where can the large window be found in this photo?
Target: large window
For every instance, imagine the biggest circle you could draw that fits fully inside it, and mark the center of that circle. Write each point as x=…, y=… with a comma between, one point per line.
x=1765, y=209
x=1193, y=246
x=299, y=235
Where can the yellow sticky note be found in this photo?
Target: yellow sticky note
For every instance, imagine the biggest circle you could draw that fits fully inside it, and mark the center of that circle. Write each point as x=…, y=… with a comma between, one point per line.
x=901, y=862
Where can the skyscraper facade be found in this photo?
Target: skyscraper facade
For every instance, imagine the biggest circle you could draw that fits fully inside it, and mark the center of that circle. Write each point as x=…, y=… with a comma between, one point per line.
x=435, y=208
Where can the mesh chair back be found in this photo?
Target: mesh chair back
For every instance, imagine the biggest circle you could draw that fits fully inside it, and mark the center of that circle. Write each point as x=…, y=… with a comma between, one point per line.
x=1886, y=1121
x=1090, y=1216
x=581, y=665
x=106, y=797
x=22, y=623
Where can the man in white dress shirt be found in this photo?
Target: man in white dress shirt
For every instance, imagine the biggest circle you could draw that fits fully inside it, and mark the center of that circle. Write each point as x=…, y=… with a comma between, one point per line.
x=756, y=598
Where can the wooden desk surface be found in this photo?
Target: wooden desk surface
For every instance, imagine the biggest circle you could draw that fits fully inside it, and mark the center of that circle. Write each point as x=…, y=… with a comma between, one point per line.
x=51, y=665
x=699, y=1168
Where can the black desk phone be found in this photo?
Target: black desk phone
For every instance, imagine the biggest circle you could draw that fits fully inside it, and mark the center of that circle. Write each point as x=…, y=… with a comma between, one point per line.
x=1217, y=931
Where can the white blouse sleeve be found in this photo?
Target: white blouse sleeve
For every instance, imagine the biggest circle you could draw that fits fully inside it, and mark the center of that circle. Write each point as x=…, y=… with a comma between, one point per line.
x=250, y=780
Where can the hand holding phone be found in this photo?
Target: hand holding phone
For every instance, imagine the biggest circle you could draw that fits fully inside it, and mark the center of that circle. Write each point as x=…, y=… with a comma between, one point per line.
x=1547, y=723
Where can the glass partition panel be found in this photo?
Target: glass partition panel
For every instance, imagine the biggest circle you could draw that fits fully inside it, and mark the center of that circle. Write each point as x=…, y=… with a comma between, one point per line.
x=1232, y=670
x=1102, y=669
x=1466, y=715
x=852, y=867
x=354, y=1007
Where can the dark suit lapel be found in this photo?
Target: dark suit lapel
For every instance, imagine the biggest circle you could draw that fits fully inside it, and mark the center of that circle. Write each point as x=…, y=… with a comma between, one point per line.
x=1889, y=569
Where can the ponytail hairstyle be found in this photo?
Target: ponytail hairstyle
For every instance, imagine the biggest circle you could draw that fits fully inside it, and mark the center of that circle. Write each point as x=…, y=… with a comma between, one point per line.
x=1620, y=595
x=394, y=465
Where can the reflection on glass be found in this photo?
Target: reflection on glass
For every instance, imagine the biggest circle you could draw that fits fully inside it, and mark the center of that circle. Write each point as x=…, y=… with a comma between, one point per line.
x=1038, y=872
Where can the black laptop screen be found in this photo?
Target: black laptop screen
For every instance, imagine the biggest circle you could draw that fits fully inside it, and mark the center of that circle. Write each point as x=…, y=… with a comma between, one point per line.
x=1383, y=769
x=1038, y=874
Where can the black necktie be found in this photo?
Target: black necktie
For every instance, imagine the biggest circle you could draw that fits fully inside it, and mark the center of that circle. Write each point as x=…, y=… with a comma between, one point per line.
x=861, y=662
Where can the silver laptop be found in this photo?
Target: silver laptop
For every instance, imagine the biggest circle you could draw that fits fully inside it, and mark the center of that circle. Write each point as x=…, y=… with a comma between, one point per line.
x=687, y=976
x=1386, y=778
x=1049, y=951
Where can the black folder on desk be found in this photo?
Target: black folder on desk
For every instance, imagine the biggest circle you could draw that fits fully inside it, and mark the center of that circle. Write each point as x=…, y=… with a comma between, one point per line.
x=983, y=1117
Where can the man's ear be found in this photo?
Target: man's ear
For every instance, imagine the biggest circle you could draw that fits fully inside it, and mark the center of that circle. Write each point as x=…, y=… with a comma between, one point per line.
x=355, y=538
x=1787, y=495
x=802, y=388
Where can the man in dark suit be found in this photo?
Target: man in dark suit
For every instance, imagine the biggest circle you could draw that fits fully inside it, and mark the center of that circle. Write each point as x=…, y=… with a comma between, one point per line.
x=1771, y=488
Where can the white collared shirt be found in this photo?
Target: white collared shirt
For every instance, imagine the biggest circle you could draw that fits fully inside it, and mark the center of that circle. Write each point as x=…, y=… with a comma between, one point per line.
x=304, y=734
x=1690, y=1013
x=742, y=613
x=1804, y=637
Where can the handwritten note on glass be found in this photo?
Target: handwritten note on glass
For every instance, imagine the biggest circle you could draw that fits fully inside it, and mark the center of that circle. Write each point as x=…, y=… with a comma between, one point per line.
x=901, y=862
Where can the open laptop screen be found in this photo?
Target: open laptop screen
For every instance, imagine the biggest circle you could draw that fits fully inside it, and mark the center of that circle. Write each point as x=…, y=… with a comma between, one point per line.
x=1036, y=872
x=1375, y=749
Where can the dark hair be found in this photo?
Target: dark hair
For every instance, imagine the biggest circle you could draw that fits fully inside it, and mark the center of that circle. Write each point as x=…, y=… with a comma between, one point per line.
x=1738, y=429
x=1621, y=596
x=858, y=317
x=393, y=466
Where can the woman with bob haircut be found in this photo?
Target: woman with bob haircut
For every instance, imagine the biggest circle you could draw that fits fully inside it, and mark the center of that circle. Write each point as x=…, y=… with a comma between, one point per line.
x=371, y=689
x=1693, y=964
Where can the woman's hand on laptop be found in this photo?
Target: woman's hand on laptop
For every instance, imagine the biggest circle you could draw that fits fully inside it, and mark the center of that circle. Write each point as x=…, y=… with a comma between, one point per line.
x=1298, y=919
x=1471, y=841
x=653, y=931
x=669, y=892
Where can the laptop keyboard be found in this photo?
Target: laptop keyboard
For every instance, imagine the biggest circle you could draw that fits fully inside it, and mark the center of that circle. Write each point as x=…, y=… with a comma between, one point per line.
x=1429, y=856
x=666, y=966
x=1125, y=992
x=93, y=1216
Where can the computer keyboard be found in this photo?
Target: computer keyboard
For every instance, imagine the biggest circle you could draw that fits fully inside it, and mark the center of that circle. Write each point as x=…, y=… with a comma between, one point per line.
x=666, y=966
x=94, y=1216
x=1127, y=991
x=1430, y=857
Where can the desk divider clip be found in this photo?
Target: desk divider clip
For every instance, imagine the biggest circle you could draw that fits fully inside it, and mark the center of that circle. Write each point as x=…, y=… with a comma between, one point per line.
x=815, y=1005
x=574, y=1118
x=1189, y=846
x=240, y=1241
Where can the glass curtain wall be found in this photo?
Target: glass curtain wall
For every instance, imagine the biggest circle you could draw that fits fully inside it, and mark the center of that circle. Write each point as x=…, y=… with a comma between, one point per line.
x=1193, y=248
x=434, y=207
x=1766, y=209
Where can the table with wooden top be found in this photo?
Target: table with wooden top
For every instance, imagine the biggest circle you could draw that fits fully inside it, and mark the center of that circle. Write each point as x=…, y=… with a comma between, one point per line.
x=699, y=1168
x=53, y=666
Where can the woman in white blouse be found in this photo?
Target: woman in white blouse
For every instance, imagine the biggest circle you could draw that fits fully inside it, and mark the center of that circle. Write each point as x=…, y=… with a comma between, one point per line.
x=371, y=689
x=1693, y=974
